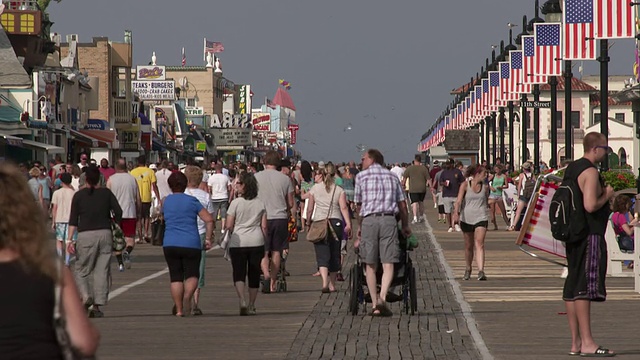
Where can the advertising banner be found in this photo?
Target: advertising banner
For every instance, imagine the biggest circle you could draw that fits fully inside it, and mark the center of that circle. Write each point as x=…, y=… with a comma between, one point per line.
x=293, y=129
x=231, y=137
x=150, y=72
x=129, y=140
x=154, y=90
x=261, y=121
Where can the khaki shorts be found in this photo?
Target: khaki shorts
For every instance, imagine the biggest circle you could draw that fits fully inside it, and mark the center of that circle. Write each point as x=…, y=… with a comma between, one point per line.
x=379, y=242
x=448, y=203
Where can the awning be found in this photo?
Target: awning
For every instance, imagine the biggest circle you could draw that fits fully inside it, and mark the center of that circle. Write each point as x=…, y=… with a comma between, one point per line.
x=49, y=149
x=97, y=138
x=11, y=140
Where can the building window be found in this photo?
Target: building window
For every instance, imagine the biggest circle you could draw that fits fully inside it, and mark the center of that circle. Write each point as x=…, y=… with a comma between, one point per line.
x=559, y=120
x=191, y=102
x=620, y=117
x=8, y=22
x=27, y=23
x=596, y=118
x=120, y=82
x=576, y=122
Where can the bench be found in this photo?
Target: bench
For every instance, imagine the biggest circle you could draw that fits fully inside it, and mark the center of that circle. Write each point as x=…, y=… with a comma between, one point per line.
x=616, y=256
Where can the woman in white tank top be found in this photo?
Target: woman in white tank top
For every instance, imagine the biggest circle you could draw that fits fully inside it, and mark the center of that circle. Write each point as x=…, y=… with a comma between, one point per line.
x=472, y=208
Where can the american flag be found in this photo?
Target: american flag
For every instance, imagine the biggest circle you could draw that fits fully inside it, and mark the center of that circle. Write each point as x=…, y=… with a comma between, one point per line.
x=485, y=98
x=213, y=47
x=472, y=108
x=467, y=111
x=578, y=30
x=529, y=75
x=184, y=58
x=459, y=116
x=494, y=91
x=548, y=60
x=507, y=82
x=515, y=57
x=453, y=114
x=479, y=99
x=615, y=19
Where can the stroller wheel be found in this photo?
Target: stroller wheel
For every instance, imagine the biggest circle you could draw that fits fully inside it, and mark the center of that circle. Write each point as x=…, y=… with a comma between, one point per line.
x=354, y=289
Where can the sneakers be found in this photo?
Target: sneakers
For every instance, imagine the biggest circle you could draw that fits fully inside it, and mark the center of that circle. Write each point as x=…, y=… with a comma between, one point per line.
x=481, y=276
x=467, y=275
x=196, y=311
x=251, y=309
x=415, y=220
x=565, y=272
x=458, y=228
x=126, y=257
x=121, y=267
x=435, y=206
x=450, y=229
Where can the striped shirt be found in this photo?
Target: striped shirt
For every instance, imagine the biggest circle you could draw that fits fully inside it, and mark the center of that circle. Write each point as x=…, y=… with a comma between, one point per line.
x=378, y=190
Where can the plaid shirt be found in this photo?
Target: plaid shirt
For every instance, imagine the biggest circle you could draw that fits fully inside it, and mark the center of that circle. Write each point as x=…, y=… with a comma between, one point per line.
x=378, y=190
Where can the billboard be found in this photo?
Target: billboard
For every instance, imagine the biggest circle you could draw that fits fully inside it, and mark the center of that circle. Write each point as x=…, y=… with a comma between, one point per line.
x=261, y=121
x=150, y=72
x=154, y=89
x=231, y=137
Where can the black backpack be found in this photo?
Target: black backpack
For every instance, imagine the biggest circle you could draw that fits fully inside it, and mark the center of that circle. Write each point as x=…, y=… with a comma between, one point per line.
x=566, y=213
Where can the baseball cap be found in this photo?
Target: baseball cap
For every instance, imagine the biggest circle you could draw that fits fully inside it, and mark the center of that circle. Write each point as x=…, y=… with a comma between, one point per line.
x=299, y=163
x=153, y=167
x=436, y=162
x=65, y=178
x=321, y=165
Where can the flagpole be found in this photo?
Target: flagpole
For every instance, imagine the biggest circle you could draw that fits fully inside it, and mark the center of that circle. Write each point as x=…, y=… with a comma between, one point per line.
x=568, y=126
x=204, y=49
x=536, y=130
x=553, y=82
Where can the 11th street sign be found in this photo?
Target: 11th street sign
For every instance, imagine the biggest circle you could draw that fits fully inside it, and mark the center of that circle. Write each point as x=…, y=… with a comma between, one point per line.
x=536, y=104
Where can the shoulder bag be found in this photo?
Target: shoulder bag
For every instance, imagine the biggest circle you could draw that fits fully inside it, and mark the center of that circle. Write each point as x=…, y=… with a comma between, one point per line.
x=119, y=242
x=60, y=323
x=318, y=230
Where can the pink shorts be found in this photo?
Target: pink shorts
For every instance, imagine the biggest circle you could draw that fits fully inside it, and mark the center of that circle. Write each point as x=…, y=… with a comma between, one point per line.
x=128, y=227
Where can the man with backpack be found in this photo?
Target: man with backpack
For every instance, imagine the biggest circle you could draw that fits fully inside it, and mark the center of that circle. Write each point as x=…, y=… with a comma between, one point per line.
x=578, y=214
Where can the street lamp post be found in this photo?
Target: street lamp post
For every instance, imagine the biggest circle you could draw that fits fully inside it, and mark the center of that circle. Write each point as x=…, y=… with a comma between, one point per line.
x=524, y=119
x=507, y=51
x=493, y=134
x=553, y=13
x=604, y=97
x=481, y=123
x=536, y=97
x=487, y=147
x=501, y=122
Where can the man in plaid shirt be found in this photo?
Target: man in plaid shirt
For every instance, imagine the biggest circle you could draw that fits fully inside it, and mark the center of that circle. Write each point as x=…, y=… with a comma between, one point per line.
x=379, y=197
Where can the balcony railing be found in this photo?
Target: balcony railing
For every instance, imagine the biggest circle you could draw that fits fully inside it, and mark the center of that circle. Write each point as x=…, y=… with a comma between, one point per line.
x=121, y=111
x=21, y=5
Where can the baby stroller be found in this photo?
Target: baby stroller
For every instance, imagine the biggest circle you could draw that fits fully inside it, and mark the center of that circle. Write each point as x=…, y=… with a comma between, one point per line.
x=404, y=276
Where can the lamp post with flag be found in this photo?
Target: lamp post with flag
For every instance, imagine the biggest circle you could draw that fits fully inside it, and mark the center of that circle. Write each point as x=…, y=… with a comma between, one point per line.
x=513, y=86
x=529, y=47
x=524, y=118
x=504, y=73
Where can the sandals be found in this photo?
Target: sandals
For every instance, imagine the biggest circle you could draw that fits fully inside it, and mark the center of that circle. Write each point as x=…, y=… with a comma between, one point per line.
x=600, y=352
x=382, y=310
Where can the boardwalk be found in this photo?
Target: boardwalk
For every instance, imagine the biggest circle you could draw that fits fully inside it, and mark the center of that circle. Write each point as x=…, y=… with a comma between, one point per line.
x=516, y=314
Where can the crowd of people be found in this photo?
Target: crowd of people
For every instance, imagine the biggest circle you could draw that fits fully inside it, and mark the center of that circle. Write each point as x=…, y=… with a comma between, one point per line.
x=261, y=208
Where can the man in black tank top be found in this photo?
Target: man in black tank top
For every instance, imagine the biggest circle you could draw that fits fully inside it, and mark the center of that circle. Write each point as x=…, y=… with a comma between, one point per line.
x=587, y=258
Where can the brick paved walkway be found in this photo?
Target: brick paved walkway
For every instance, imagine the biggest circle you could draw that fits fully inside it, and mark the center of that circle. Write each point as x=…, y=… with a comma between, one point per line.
x=438, y=331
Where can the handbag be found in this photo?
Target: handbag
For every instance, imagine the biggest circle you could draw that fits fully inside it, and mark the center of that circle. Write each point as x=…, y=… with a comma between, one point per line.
x=157, y=232
x=318, y=229
x=60, y=324
x=224, y=244
x=119, y=242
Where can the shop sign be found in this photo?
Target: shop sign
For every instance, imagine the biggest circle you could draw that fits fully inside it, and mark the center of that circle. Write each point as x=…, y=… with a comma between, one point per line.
x=231, y=121
x=242, y=101
x=194, y=111
x=230, y=147
x=201, y=146
x=150, y=72
x=154, y=90
x=293, y=129
x=272, y=137
x=129, y=140
x=97, y=124
x=231, y=137
x=261, y=121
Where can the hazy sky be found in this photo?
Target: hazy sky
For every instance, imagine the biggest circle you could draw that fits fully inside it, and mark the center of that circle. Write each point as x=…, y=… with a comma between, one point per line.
x=385, y=67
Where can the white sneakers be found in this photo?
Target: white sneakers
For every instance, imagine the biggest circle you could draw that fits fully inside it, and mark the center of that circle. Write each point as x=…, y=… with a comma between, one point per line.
x=415, y=220
x=450, y=230
x=458, y=228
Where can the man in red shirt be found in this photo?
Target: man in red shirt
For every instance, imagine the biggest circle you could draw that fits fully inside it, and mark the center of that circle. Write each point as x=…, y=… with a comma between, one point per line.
x=105, y=170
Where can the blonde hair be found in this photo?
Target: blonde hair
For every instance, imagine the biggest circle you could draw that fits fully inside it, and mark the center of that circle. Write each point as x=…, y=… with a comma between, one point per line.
x=22, y=224
x=194, y=175
x=34, y=172
x=329, y=173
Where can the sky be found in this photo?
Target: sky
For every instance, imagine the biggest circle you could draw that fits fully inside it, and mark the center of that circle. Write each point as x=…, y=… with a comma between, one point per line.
x=384, y=68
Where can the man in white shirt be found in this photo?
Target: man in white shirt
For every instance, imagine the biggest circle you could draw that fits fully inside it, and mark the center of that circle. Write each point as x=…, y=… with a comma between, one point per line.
x=219, y=188
x=397, y=171
x=162, y=179
x=83, y=161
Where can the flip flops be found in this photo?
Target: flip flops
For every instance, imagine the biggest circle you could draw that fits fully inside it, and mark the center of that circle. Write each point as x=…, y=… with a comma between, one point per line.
x=600, y=352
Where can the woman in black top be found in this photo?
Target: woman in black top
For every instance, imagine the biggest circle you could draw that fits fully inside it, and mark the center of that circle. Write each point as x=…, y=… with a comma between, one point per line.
x=91, y=210
x=28, y=274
